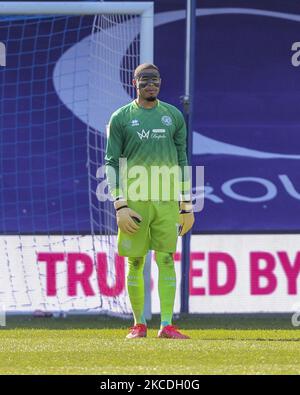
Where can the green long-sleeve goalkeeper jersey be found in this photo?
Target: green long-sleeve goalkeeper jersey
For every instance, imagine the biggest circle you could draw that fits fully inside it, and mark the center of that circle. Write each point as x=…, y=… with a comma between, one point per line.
x=151, y=139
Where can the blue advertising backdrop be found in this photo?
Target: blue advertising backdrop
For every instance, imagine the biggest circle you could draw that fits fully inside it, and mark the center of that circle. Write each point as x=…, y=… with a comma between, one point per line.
x=246, y=127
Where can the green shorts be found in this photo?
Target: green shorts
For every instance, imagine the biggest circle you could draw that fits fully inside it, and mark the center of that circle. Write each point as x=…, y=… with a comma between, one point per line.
x=158, y=230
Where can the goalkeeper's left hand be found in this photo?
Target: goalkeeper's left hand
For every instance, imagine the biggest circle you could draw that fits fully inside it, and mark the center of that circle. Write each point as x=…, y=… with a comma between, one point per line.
x=186, y=217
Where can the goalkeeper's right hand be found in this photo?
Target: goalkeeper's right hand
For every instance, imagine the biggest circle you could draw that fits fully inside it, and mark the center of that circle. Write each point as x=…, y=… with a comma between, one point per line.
x=125, y=217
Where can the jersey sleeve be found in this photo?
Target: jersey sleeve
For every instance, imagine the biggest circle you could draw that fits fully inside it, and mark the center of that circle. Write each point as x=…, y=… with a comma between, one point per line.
x=180, y=137
x=114, y=150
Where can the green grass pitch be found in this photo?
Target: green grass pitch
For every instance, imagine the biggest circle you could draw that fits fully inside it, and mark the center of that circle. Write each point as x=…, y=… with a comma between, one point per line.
x=219, y=344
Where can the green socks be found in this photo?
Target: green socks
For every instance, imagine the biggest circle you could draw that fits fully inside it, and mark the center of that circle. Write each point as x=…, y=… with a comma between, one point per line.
x=166, y=286
x=135, y=287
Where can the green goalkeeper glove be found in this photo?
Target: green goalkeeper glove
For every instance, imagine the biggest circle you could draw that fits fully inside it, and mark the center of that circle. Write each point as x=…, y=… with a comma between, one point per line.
x=186, y=217
x=127, y=219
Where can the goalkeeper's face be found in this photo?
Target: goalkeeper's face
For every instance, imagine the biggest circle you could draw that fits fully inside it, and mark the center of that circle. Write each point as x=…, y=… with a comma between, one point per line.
x=148, y=84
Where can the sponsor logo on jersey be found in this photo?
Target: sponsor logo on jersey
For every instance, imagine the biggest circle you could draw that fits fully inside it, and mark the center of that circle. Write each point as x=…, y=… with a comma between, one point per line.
x=159, y=130
x=166, y=120
x=135, y=122
x=143, y=135
x=158, y=135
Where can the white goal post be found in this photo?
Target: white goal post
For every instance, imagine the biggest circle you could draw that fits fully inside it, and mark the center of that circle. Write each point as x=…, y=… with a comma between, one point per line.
x=14, y=243
x=143, y=8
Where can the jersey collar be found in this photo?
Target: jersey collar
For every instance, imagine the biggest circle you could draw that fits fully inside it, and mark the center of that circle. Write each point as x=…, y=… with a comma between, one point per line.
x=135, y=104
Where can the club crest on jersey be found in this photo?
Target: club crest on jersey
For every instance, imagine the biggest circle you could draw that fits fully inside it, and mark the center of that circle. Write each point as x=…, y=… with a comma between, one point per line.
x=135, y=122
x=143, y=135
x=166, y=120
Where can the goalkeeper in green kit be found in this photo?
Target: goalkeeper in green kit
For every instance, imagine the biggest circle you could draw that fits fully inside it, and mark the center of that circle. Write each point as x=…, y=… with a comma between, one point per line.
x=151, y=211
